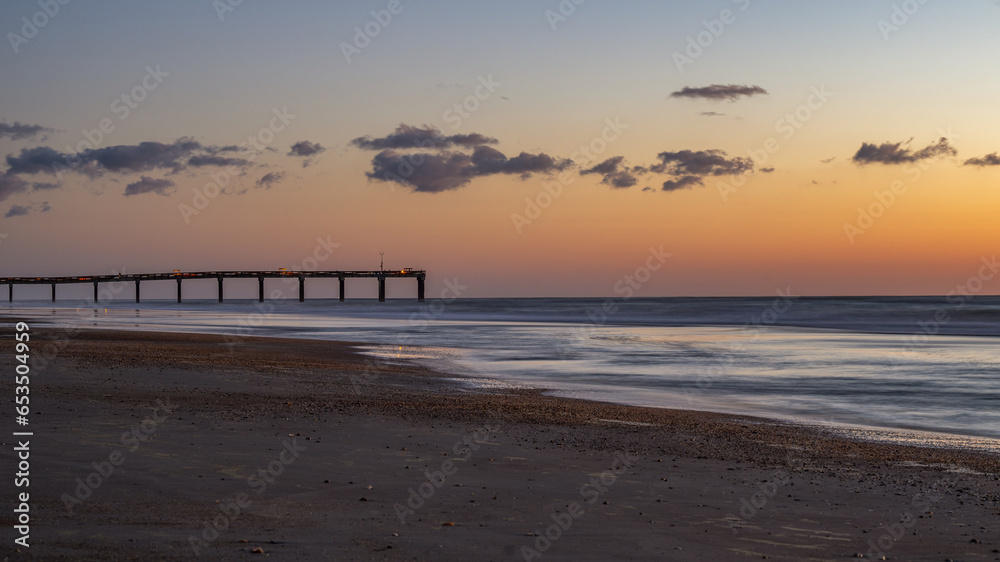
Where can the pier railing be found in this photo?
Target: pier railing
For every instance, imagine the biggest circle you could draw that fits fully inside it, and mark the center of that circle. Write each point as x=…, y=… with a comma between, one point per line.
x=179, y=276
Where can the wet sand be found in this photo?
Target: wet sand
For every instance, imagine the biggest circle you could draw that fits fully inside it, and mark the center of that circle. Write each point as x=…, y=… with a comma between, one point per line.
x=152, y=446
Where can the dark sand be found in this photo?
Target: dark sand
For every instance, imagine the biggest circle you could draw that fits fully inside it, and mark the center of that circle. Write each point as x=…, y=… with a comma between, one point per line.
x=367, y=433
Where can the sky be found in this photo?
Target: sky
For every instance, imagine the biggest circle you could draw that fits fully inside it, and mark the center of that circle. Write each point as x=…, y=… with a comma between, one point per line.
x=515, y=148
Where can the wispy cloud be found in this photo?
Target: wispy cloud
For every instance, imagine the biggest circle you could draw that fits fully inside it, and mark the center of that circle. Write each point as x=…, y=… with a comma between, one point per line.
x=426, y=137
x=18, y=131
x=899, y=153
x=24, y=210
x=269, y=179
x=159, y=186
x=719, y=92
x=989, y=160
x=615, y=173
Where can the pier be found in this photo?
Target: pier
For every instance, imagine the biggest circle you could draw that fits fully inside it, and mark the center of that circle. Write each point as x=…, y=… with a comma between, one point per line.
x=221, y=276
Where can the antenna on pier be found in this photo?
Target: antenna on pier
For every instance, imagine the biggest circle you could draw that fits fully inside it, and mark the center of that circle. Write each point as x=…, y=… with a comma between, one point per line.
x=381, y=261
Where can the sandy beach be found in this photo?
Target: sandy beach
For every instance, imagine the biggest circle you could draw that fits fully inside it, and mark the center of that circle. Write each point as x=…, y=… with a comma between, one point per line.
x=152, y=446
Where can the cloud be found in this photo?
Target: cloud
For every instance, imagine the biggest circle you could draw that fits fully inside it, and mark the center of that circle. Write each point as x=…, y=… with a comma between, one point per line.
x=488, y=161
x=305, y=148
x=897, y=153
x=426, y=137
x=142, y=157
x=712, y=114
x=828, y=160
x=767, y=170
x=18, y=131
x=683, y=182
x=160, y=186
x=23, y=210
x=719, y=92
x=429, y=173
x=615, y=173
x=269, y=179
x=989, y=160
x=209, y=160
x=42, y=186
x=701, y=163
x=444, y=166
x=35, y=160
x=447, y=170
x=11, y=184
x=18, y=211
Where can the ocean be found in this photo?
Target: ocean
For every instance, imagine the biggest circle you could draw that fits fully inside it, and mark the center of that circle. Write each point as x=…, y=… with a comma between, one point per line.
x=901, y=369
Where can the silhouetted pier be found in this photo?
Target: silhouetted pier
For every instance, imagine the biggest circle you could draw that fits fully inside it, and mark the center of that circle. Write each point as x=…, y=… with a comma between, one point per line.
x=137, y=278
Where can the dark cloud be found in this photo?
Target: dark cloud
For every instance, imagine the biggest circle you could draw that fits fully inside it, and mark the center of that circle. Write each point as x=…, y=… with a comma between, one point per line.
x=701, y=163
x=35, y=160
x=11, y=184
x=446, y=170
x=18, y=211
x=988, y=160
x=430, y=173
x=210, y=160
x=269, y=179
x=898, y=153
x=683, y=182
x=23, y=210
x=767, y=170
x=160, y=186
x=426, y=137
x=615, y=173
x=719, y=92
x=488, y=161
x=142, y=157
x=43, y=186
x=305, y=148
x=18, y=131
